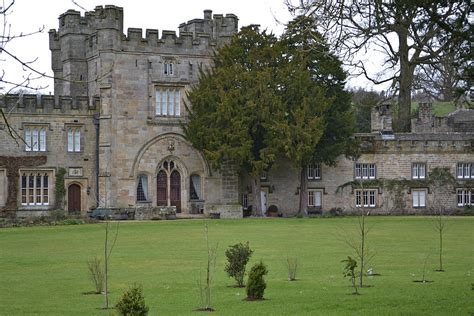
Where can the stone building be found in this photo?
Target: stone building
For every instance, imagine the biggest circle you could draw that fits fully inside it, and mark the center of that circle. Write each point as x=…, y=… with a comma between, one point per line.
x=111, y=135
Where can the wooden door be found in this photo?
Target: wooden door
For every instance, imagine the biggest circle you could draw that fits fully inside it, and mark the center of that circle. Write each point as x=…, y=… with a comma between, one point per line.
x=161, y=188
x=74, y=199
x=175, y=190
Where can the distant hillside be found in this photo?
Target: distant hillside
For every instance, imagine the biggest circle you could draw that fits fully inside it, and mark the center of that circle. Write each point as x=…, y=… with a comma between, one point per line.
x=439, y=108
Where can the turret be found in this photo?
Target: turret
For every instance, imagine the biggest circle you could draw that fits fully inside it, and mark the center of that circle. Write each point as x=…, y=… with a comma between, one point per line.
x=70, y=49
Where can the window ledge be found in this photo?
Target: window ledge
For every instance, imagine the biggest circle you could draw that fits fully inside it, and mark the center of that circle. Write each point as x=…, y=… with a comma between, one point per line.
x=165, y=120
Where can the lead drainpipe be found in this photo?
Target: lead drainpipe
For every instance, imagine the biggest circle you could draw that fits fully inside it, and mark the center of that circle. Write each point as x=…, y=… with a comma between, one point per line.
x=97, y=134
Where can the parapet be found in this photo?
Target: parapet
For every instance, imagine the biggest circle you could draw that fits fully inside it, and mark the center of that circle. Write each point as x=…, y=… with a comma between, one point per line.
x=216, y=26
x=407, y=143
x=207, y=32
x=110, y=17
x=103, y=28
x=48, y=104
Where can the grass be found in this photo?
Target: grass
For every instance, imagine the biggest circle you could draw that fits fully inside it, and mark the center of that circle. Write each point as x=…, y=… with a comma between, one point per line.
x=440, y=109
x=44, y=271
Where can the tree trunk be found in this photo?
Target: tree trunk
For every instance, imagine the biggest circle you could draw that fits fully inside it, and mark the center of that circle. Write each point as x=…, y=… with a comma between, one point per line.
x=257, y=199
x=405, y=83
x=303, y=209
x=362, y=244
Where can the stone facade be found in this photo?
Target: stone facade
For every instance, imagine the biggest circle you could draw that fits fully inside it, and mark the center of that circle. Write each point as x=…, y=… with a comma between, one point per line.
x=114, y=126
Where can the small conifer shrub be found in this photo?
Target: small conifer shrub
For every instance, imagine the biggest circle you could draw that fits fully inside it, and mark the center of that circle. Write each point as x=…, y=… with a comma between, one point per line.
x=256, y=284
x=132, y=302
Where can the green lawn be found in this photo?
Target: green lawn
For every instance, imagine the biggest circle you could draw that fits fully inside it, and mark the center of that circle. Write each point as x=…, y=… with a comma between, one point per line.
x=439, y=108
x=43, y=269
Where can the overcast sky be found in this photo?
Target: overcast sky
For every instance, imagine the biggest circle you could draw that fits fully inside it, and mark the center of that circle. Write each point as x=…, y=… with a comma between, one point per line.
x=30, y=15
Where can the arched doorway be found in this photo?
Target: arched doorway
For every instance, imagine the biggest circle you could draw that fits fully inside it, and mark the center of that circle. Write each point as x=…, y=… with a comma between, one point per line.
x=74, y=199
x=168, y=185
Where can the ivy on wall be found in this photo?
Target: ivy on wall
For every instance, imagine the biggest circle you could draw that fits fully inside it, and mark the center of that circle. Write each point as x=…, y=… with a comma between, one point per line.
x=13, y=165
x=438, y=177
x=60, y=188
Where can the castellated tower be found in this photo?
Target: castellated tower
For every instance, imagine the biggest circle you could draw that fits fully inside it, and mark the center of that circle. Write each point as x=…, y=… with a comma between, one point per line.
x=76, y=46
x=83, y=47
x=141, y=79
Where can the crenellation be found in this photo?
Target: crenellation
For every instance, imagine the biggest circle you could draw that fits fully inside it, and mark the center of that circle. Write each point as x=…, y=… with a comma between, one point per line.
x=152, y=36
x=168, y=37
x=47, y=104
x=134, y=35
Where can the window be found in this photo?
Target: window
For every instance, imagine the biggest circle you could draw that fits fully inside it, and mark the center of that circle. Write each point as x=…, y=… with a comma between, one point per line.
x=365, y=171
x=168, y=68
x=465, y=171
x=465, y=197
x=419, y=198
x=314, y=198
x=264, y=177
x=142, y=188
x=34, y=189
x=195, y=187
x=314, y=172
x=35, y=139
x=365, y=198
x=74, y=139
x=418, y=171
x=168, y=102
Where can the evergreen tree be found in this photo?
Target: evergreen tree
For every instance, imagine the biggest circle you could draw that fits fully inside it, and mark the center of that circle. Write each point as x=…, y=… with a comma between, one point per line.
x=318, y=110
x=235, y=113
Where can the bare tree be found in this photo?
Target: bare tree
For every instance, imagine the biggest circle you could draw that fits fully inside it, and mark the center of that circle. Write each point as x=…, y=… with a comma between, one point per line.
x=205, y=287
x=439, y=81
x=11, y=82
x=407, y=33
x=6, y=38
x=441, y=180
x=359, y=244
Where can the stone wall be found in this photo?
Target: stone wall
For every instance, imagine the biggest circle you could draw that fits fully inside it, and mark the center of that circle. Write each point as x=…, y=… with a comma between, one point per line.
x=393, y=160
x=56, y=117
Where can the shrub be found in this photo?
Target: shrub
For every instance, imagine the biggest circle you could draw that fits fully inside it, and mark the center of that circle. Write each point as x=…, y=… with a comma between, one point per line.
x=132, y=302
x=96, y=274
x=256, y=284
x=57, y=215
x=349, y=271
x=238, y=256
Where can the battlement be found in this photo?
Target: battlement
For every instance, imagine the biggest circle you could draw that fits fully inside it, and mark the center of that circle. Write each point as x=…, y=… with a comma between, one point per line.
x=32, y=103
x=209, y=29
x=110, y=17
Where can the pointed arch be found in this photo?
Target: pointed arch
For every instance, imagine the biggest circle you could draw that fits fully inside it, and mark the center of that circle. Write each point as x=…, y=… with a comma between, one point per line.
x=134, y=170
